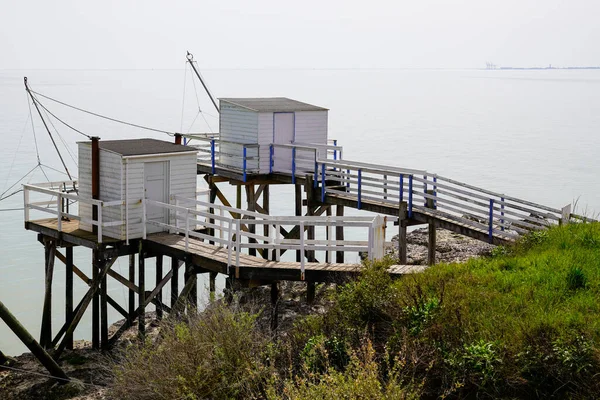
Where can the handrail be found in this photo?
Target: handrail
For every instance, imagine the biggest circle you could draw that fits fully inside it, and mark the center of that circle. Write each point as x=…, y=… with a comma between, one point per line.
x=232, y=230
x=60, y=213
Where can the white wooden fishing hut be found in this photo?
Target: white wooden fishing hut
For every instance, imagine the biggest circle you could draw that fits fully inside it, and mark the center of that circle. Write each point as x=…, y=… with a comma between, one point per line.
x=261, y=122
x=134, y=169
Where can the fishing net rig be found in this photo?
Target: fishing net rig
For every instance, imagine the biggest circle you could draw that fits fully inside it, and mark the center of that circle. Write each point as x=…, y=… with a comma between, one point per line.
x=33, y=98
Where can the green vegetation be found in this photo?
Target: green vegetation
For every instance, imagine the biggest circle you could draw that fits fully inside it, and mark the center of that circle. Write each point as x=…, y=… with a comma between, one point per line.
x=523, y=323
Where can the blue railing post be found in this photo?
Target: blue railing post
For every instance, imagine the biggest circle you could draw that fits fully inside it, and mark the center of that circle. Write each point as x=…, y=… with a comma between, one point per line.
x=410, y=195
x=502, y=213
x=212, y=155
x=348, y=181
x=335, y=150
x=294, y=165
x=491, y=221
x=316, y=178
x=425, y=190
x=359, y=188
x=323, y=183
x=271, y=150
x=401, y=187
x=245, y=163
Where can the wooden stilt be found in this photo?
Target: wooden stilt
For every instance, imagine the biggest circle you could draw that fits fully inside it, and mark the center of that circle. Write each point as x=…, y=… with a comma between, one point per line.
x=3, y=359
x=174, y=281
x=238, y=197
x=327, y=253
x=141, y=292
x=69, y=293
x=251, y=198
x=266, y=206
x=212, y=285
x=131, y=302
x=83, y=305
x=310, y=292
x=431, y=231
x=159, y=277
x=298, y=212
x=190, y=276
x=103, y=313
x=339, y=234
x=95, y=302
x=402, y=224
x=31, y=344
x=46, y=330
x=310, y=233
x=212, y=199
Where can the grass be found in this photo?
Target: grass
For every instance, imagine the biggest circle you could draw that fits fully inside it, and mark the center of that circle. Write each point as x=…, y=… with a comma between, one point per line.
x=523, y=323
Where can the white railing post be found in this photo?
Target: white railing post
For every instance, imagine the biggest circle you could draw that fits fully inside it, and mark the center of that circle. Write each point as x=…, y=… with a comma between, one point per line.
x=238, y=243
x=26, y=203
x=329, y=236
x=59, y=211
x=302, y=250
x=100, y=206
x=378, y=235
x=187, y=229
x=277, y=243
x=230, y=245
x=144, y=218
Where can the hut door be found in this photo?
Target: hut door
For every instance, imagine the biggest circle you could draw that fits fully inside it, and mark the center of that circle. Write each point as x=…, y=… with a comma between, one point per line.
x=283, y=133
x=156, y=187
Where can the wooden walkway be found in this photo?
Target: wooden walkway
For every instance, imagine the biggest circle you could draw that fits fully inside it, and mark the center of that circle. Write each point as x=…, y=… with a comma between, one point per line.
x=215, y=259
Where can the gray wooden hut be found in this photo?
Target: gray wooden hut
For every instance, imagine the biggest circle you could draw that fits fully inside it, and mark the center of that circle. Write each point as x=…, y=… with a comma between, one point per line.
x=134, y=169
x=262, y=121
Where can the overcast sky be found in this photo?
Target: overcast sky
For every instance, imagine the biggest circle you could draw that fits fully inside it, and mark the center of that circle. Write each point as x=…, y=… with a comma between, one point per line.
x=304, y=34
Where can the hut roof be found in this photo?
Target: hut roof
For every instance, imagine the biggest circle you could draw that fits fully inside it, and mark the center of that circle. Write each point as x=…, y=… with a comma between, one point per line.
x=272, y=104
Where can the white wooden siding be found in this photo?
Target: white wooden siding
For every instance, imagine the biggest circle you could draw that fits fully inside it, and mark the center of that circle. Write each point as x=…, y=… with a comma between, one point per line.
x=85, y=183
x=113, y=183
x=236, y=124
x=265, y=138
x=311, y=127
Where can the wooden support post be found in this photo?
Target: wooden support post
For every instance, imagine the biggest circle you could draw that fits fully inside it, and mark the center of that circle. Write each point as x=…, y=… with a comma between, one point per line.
x=298, y=213
x=310, y=232
x=159, y=277
x=174, y=281
x=3, y=359
x=69, y=294
x=131, y=303
x=190, y=275
x=310, y=292
x=46, y=331
x=327, y=230
x=212, y=285
x=95, y=302
x=32, y=345
x=141, y=292
x=339, y=233
x=402, y=238
x=103, y=313
x=238, y=197
x=212, y=198
x=251, y=197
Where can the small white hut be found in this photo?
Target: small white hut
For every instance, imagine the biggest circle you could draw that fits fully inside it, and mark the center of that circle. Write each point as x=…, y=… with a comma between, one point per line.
x=262, y=121
x=135, y=169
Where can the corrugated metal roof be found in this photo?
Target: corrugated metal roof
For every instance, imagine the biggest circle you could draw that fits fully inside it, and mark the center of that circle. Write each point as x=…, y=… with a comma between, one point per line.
x=272, y=104
x=140, y=147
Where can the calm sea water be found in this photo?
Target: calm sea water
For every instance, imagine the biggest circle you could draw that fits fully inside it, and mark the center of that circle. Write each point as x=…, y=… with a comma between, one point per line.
x=531, y=134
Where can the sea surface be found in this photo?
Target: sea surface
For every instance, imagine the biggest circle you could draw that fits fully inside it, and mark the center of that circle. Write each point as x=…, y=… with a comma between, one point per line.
x=529, y=134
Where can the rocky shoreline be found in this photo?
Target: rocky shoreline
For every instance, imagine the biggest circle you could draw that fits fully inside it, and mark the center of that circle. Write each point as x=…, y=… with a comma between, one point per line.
x=25, y=378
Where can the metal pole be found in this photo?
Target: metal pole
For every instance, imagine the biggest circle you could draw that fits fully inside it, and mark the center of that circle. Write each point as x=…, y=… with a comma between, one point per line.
x=190, y=59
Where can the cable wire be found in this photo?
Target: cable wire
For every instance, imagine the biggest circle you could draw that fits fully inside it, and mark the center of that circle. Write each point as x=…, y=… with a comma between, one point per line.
x=104, y=116
x=50, y=376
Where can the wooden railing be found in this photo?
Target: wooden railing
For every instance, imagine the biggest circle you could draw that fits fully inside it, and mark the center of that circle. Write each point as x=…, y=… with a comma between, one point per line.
x=56, y=205
x=497, y=214
x=237, y=231
x=217, y=152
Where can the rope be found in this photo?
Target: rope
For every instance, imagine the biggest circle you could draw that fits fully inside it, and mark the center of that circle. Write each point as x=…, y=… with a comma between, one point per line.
x=60, y=120
x=58, y=134
x=16, y=152
x=105, y=117
x=33, y=129
x=49, y=376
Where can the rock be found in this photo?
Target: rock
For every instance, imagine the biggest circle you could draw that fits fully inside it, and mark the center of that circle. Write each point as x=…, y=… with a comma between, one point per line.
x=450, y=247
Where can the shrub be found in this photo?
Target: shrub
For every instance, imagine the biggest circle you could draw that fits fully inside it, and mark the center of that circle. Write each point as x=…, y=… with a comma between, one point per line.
x=576, y=279
x=217, y=354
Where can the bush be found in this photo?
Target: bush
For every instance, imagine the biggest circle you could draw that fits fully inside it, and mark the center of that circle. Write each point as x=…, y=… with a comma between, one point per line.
x=217, y=354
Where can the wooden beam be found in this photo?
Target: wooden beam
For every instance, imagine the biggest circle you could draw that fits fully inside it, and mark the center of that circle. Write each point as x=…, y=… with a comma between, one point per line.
x=297, y=213
x=76, y=270
x=175, y=264
x=402, y=233
x=69, y=267
x=190, y=274
x=159, y=277
x=339, y=234
x=46, y=329
x=142, y=292
x=132, y=292
x=96, y=264
x=251, y=198
x=103, y=313
x=33, y=346
x=84, y=304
